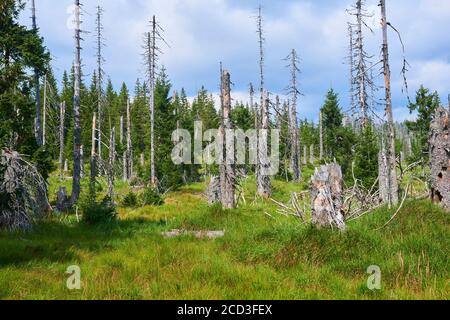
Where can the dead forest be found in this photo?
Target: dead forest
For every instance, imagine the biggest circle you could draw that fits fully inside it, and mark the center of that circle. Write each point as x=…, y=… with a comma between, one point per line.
x=94, y=133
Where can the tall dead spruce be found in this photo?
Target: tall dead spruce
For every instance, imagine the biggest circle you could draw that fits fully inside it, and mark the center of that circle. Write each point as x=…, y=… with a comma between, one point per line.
x=391, y=158
x=38, y=128
x=151, y=55
x=294, y=132
x=76, y=109
x=362, y=81
x=100, y=73
x=263, y=179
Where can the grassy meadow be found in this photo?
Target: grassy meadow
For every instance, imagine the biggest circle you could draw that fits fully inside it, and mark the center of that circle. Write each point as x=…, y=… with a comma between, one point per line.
x=263, y=255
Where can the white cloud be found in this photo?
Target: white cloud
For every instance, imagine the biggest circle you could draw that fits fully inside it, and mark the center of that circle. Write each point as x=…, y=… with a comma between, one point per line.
x=203, y=32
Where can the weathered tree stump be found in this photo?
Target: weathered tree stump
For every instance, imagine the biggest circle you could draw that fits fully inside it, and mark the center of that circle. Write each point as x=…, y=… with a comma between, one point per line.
x=440, y=158
x=326, y=197
x=214, y=192
x=383, y=176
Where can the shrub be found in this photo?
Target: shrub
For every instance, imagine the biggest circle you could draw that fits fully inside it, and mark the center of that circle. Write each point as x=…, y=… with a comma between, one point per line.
x=130, y=200
x=151, y=198
x=98, y=212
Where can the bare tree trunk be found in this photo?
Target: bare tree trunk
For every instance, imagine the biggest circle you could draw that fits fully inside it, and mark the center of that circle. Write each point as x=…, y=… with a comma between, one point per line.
x=383, y=176
x=121, y=131
x=129, y=146
x=62, y=111
x=214, y=193
x=264, y=187
x=312, y=159
x=321, y=136
x=152, y=65
x=440, y=158
x=76, y=109
x=361, y=65
x=93, y=156
x=263, y=159
x=44, y=113
x=82, y=161
x=305, y=155
x=257, y=126
x=391, y=156
x=326, y=197
x=295, y=141
x=38, y=129
x=112, y=156
x=99, y=28
x=227, y=174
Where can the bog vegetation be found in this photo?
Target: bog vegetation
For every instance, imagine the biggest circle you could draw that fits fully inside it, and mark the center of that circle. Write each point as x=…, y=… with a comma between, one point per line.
x=87, y=178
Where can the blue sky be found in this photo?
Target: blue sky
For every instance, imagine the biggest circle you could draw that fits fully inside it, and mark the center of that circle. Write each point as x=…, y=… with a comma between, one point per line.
x=203, y=32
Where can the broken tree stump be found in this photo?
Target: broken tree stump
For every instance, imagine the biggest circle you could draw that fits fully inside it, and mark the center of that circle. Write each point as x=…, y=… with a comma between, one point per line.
x=440, y=158
x=214, y=192
x=326, y=197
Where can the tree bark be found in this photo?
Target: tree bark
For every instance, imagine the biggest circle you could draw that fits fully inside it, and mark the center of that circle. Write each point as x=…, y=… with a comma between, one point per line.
x=93, y=156
x=62, y=111
x=391, y=155
x=440, y=158
x=76, y=109
x=111, y=160
x=326, y=197
x=321, y=136
x=227, y=174
x=264, y=187
x=38, y=128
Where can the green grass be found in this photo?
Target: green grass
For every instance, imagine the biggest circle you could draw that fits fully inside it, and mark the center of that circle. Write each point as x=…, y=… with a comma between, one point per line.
x=260, y=257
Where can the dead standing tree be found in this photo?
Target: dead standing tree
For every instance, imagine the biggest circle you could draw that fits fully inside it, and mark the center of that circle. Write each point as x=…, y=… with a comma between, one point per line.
x=362, y=81
x=111, y=161
x=263, y=180
x=129, y=152
x=62, y=112
x=391, y=155
x=151, y=56
x=100, y=73
x=76, y=109
x=227, y=169
x=38, y=128
x=294, y=130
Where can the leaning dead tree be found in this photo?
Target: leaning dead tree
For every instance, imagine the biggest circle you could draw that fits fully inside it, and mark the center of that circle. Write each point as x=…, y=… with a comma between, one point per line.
x=327, y=197
x=293, y=127
x=100, y=60
x=76, y=109
x=440, y=158
x=38, y=128
x=227, y=169
x=263, y=180
x=23, y=192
